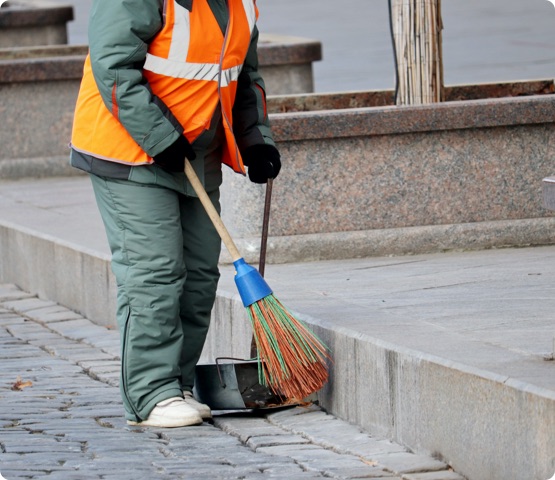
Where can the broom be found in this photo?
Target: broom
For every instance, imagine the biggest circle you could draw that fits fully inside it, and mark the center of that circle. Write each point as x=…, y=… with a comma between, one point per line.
x=292, y=361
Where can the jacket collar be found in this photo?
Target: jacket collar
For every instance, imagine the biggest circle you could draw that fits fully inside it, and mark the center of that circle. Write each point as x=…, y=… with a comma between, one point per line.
x=188, y=4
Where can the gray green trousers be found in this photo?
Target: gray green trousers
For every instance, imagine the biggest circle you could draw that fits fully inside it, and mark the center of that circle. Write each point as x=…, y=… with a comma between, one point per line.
x=165, y=255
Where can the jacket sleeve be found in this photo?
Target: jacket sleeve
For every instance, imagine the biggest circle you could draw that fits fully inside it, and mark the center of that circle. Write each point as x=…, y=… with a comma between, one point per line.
x=251, y=125
x=119, y=32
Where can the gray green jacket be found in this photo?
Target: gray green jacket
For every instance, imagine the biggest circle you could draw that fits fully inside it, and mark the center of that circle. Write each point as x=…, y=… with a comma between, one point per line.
x=119, y=33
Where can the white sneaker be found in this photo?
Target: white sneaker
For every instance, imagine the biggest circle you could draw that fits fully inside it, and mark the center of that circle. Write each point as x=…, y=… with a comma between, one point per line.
x=202, y=409
x=173, y=412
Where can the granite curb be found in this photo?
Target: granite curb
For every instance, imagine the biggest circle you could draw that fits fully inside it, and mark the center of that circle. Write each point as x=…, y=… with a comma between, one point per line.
x=68, y=421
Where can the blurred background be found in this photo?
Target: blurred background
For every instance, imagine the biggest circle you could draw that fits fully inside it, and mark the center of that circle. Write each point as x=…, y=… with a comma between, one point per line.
x=483, y=40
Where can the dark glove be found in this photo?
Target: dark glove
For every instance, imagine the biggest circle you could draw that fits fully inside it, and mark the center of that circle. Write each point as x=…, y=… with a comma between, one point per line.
x=172, y=158
x=263, y=162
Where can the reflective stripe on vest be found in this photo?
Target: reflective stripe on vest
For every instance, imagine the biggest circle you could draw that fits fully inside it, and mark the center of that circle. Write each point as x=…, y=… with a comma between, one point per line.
x=192, y=71
x=191, y=67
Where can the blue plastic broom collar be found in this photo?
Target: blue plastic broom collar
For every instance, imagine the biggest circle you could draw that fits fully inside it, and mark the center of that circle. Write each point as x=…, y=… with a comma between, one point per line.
x=251, y=285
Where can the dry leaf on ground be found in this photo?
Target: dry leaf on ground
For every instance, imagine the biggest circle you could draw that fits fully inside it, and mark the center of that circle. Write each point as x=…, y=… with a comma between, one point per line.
x=20, y=384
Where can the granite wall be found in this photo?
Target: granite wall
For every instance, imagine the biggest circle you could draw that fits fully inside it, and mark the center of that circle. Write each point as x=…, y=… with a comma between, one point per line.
x=39, y=86
x=396, y=180
x=33, y=22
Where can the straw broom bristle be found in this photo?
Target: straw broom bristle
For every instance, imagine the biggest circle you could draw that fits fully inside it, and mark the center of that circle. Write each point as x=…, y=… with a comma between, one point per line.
x=293, y=361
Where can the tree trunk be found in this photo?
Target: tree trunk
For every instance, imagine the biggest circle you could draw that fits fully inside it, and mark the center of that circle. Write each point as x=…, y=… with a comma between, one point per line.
x=416, y=30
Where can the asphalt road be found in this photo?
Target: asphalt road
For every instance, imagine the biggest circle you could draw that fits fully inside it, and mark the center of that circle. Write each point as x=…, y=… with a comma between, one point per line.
x=483, y=40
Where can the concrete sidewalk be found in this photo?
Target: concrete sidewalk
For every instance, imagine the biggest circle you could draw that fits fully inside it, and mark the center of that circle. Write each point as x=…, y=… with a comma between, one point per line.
x=447, y=354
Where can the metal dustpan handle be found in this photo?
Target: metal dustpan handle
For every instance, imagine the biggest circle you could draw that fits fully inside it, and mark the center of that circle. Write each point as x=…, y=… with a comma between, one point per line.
x=265, y=223
x=263, y=245
x=222, y=383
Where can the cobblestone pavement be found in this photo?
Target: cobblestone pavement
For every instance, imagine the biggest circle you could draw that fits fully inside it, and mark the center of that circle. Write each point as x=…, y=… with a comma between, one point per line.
x=61, y=417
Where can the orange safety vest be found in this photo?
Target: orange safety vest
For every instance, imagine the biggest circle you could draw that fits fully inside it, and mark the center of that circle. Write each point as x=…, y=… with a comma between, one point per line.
x=191, y=66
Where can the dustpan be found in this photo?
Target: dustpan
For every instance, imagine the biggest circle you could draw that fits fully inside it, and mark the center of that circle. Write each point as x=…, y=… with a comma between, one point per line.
x=233, y=385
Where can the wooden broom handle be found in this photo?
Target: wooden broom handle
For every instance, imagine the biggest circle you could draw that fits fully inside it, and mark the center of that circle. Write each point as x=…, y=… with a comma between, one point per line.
x=211, y=211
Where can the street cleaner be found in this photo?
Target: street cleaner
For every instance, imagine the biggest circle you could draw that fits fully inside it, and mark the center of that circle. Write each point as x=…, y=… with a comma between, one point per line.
x=167, y=80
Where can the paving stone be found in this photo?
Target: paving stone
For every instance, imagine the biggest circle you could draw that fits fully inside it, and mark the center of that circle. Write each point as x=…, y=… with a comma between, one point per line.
x=7, y=319
x=9, y=292
x=112, y=380
x=42, y=312
x=255, y=442
x=244, y=430
x=26, y=304
x=62, y=475
x=26, y=330
x=93, y=410
x=330, y=432
x=343, y=467
x=50, y=446
x=26, y=473
x=441, y=475
x=281, y=476
x=108, y=342
x=45, y=338
x=294, y=412
x=308, y=453
x=18, y=356
x=73, y=350
x=76, y=329
x=405, y=462
x=110, y=368
x=384, y=478
x=54, y=315
x=104, y=363
x=124, y=476
x=303, y=415
x=358, y=472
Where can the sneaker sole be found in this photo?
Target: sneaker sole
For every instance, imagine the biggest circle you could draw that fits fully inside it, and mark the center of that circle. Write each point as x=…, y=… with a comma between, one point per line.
x=166, y=423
